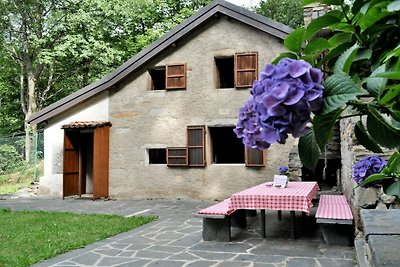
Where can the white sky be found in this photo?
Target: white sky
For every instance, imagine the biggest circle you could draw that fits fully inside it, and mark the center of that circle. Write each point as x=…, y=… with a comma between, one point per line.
x=247, y=3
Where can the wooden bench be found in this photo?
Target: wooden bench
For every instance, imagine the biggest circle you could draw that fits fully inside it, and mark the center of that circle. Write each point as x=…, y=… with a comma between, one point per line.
x=218, y=219
x=336, y=220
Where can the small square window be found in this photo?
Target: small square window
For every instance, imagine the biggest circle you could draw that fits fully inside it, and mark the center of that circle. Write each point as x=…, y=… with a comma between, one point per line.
x=157, y=156
x=157, y=78
x=225, y=72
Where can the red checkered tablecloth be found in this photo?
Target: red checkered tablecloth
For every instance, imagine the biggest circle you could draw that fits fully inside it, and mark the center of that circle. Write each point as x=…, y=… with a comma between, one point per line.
x=295, y=197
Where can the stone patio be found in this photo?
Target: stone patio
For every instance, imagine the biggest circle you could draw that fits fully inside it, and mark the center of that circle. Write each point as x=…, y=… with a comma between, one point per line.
x=175, y=238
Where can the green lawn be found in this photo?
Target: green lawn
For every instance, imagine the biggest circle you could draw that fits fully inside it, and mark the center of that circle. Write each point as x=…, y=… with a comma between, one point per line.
x=27, y=237
x=19, y=177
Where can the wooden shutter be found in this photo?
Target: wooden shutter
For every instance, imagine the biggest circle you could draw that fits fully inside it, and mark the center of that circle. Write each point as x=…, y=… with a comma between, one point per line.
x=71, y=164
x=196, y=145
x=246, y=69
x=175, y=76
x=177, y=156
x=101, y=140
x=254, y=157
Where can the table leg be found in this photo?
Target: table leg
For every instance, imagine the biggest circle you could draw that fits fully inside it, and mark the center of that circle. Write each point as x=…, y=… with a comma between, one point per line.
x=293, y=224
x=279, y=215
x=263, y=223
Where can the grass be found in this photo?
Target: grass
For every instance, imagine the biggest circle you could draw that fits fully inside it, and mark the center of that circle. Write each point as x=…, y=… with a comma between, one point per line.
x=28, y=237
x=21, y=177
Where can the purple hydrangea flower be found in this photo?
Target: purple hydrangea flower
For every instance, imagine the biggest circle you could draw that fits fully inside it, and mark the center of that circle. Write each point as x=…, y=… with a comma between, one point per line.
x=367, y=166
x=283, y=169
x=281, y=103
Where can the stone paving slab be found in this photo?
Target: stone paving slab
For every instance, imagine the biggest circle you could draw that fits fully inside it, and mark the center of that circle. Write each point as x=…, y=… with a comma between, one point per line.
x=175, y=238
x=380, y=222
x=385, y=250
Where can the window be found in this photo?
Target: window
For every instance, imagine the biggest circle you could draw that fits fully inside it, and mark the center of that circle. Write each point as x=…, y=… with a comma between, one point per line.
x=195, y=145
x=225, y=72
x=237, y=71
x=246, y=69
x=228, y=149
x=157, y=78
x=168, y=77
x=157, y=156
x=193, y=154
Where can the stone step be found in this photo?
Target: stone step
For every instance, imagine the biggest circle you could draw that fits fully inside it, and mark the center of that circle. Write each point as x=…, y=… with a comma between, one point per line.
x=361, y=253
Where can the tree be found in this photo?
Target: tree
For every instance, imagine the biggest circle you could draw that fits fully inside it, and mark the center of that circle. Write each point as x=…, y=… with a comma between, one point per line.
x=57, y=47
x=288, y=12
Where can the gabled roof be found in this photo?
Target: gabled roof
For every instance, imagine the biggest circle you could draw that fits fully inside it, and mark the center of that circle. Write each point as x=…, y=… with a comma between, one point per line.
x=192, y=23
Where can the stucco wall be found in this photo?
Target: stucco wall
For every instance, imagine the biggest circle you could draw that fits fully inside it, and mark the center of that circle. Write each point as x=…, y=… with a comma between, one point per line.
x=96, y=109
x=145, y=119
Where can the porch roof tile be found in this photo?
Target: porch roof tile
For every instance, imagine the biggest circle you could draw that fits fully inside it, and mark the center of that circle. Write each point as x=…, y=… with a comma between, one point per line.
x=85, y=124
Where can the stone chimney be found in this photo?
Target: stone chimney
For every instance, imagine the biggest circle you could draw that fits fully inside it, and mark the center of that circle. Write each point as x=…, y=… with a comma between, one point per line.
x=313, y=11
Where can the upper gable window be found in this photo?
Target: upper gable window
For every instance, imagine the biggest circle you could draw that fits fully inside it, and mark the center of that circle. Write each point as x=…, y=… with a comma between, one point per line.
x=225, y=72
x=157, y=78
x=238, y=71
x=168, y=77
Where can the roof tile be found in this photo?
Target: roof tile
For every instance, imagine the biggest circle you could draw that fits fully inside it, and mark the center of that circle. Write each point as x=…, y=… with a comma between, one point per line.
x=85, y=124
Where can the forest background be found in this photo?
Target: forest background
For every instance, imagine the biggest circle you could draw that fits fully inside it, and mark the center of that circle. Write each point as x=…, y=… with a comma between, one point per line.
x=51, y=48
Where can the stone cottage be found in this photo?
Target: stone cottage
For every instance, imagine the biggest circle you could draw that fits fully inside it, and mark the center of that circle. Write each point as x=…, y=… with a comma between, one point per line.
x=160, y=125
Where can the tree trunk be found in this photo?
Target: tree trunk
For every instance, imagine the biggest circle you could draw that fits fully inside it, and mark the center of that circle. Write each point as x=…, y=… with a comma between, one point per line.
x=31, y=108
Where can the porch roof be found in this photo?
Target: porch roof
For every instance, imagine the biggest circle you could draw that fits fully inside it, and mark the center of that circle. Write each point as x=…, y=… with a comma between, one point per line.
x=85, y=124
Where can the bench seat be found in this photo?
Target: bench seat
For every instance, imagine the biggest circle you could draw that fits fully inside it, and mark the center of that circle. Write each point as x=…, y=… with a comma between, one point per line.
x=336, y=219
x=218, y=219
x=217, y=211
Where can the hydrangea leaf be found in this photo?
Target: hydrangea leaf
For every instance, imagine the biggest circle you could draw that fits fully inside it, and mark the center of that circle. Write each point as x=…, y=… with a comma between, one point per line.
x=343, y=27
x=394, y=189
x=308, y=150
x=383, y=132
x=339, y=89
x=363, y=54
x=295, y=40
x=284, y=55
x=335, y=52
x=375, y=85
x=392, y=53
x=321, y=22
x=340, y=38
x=392, y=93
x=311, y=58
x=394, y=75
x=357, y=5
x=365, y=139
x=323, y=127
x=373, y=15
x=374, y=178
x=344, y=61
x=317, y=45
x=394, y=162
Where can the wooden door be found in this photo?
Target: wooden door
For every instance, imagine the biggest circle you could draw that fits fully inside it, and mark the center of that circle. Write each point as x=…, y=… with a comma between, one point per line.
x=71, y=164
x=100, y=161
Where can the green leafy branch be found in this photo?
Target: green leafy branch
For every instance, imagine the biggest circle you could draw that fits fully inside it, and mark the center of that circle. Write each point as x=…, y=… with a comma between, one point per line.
x=358, y=48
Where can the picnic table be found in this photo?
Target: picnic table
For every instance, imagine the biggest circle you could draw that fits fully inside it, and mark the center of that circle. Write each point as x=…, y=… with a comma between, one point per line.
x=296, y=196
